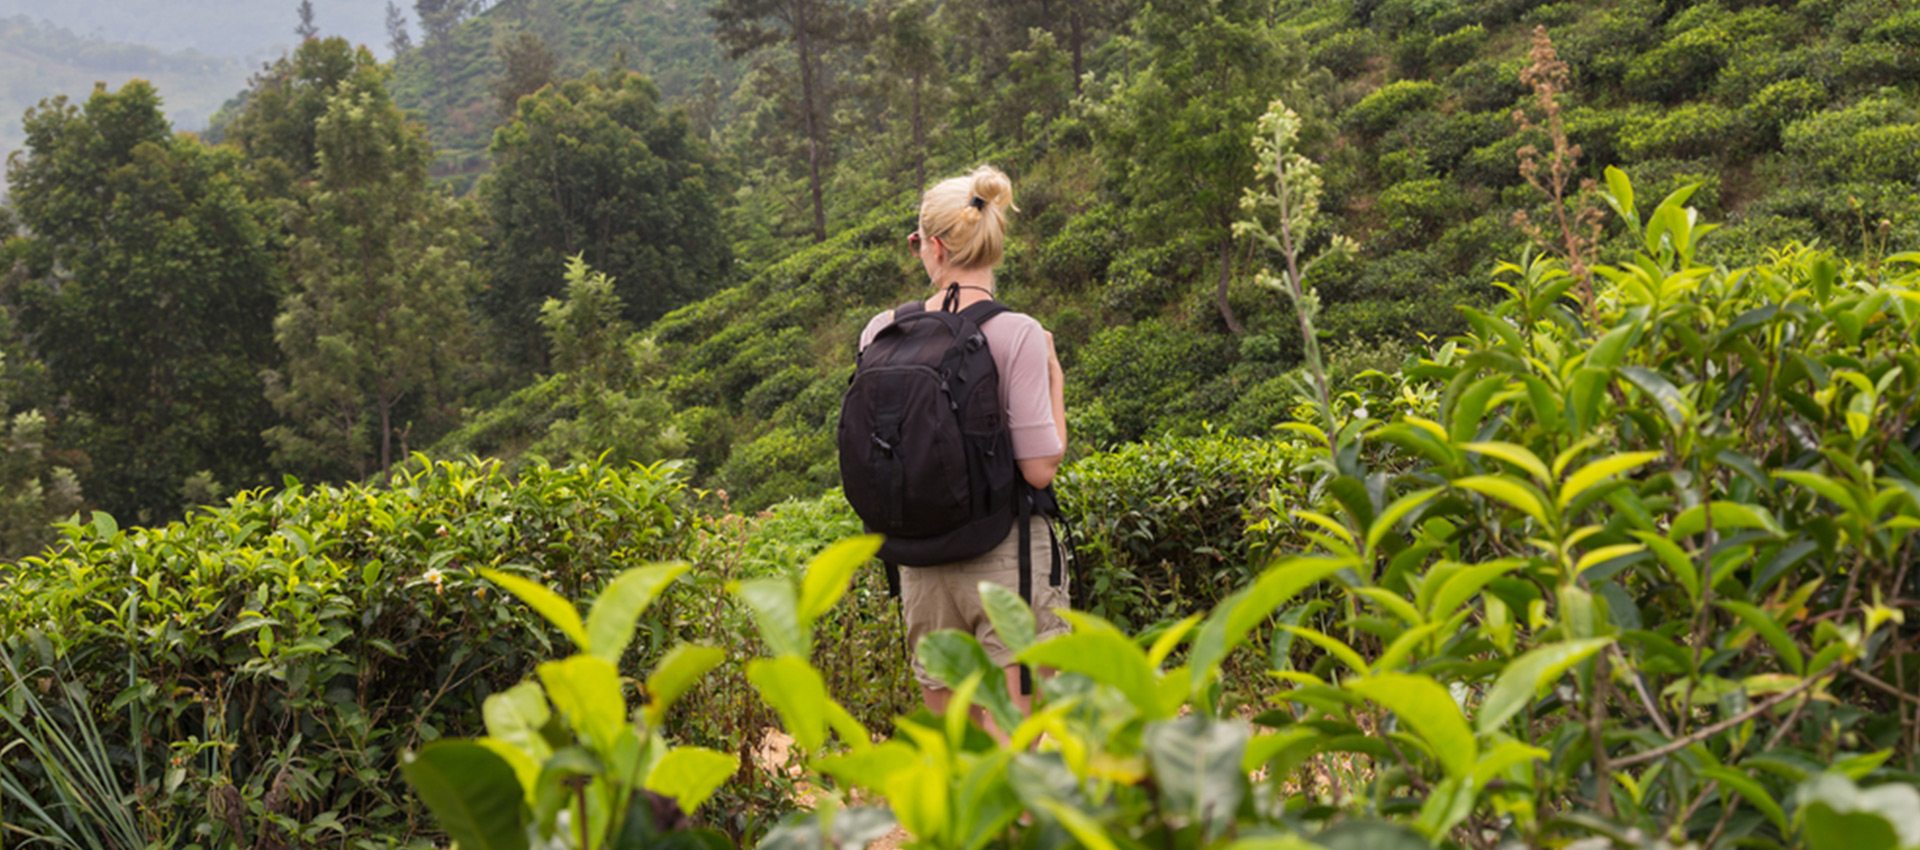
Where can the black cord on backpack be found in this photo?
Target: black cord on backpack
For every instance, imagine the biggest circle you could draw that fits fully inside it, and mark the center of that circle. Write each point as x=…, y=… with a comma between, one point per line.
x=951, y=303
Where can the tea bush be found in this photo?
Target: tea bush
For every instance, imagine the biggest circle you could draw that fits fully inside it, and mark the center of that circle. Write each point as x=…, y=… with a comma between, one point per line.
x=1162, y=525
x=304, y=638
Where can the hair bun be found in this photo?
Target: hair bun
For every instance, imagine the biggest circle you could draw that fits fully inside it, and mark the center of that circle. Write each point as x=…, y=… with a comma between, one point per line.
x=992, y=188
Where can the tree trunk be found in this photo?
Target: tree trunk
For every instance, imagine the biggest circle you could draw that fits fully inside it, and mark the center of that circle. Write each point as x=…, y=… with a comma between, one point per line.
x=919, y=133
x=386, y=435
x=1076, y=39
x=803, y=42
x=1226, y=276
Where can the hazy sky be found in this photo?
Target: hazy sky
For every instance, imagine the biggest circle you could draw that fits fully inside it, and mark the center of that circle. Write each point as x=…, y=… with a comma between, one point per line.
x=252, y=29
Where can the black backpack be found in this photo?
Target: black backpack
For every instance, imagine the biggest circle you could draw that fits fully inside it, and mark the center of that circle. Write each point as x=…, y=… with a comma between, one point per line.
x=925, y=455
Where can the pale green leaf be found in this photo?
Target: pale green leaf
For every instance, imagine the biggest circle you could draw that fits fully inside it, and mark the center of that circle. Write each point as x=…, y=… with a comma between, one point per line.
x=830, y=573
x=691, y=774
x=611, y=621
x=548, y=604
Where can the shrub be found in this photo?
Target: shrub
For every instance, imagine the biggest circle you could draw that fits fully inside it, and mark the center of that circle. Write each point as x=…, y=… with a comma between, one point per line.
x=1142, y=376
x=1416, y=211
x=1870, y=140
x=1390, y=104
x=1899, y=28
x=1079, y=253
x=1163, y=524
x=1347, y=53
x=783, y=463
x=1871, y=64
x=315, y=633
x=1782, y=103
x=1486, y=84
x=1691, y=130
x=1456, y=48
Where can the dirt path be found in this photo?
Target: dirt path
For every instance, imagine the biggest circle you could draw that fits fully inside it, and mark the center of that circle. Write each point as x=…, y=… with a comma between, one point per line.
x=774, y=754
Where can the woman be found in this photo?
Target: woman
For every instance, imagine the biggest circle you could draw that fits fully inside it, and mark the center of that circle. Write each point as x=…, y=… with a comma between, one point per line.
x=961, y=236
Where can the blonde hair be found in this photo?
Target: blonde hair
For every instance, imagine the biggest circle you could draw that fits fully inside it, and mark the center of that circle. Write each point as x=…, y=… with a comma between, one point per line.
x=969, y=214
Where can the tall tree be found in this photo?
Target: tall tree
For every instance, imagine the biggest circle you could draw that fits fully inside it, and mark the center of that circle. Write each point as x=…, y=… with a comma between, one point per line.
x=909, y=53
x=276, y=127
x=1175, y=133
x=148, y=290
x=376, y=321
x=526, y=65
x=398, y=39
x=811, y=28
x=597, y=167
x=307, y=29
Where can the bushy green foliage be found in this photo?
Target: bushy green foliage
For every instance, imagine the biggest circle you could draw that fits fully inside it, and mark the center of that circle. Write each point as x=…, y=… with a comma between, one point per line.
x=1391, y=104
x=1132, y=380
x=1164, y=524
x=147, y=284
x=325, y=630
x=598, y=167
x=1870, y=140
x=377, y=323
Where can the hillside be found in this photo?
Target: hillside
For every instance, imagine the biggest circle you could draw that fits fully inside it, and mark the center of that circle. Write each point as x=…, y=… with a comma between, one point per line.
x=447, y=84
x=39, y=60
x=232, y=29
x=1797, y=124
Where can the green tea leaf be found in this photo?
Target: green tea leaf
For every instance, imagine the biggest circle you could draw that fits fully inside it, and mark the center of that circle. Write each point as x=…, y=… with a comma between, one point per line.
x=1753, y=792
x=1517, y=455
x=558, y=611
x=870, y=769
x=1084, y=829
x=472, y=792
x=1105, y=657
x=1671, y=401
x=1521, y=681
x=953, y=657
x=1838, y=815
x=776, y=612
x=1401, y=507
x=1509, y=490
x=830, y=573
x=1236, y=616
x=1334, y=646
x=1012, y=620
x=1770, y=630
x=586, y=691
x=1727, y=516
x=1461, y=586
x=1424, y=706
x=516, y=716
x=676, y=674
x=611, y=621
x=797, y=692
x=1196, y=764
x=1584, y=478
x=691, y=774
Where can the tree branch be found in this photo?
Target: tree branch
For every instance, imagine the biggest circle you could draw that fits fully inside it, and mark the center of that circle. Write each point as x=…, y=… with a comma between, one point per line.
x=1706, y=732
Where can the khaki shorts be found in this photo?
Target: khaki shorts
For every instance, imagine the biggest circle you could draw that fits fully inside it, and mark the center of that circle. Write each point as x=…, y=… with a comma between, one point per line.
x=948, y=597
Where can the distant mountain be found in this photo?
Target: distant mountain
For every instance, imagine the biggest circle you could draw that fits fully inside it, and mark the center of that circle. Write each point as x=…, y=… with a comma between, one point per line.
x=239, y=29
x=39, y=60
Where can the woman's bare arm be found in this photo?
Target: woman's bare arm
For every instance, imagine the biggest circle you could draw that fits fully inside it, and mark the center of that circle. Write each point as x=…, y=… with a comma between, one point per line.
x=1039, y=471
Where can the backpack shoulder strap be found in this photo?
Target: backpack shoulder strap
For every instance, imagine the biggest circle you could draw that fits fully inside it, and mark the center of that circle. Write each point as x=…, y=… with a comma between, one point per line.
x=908, y=309
x=981, y=311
